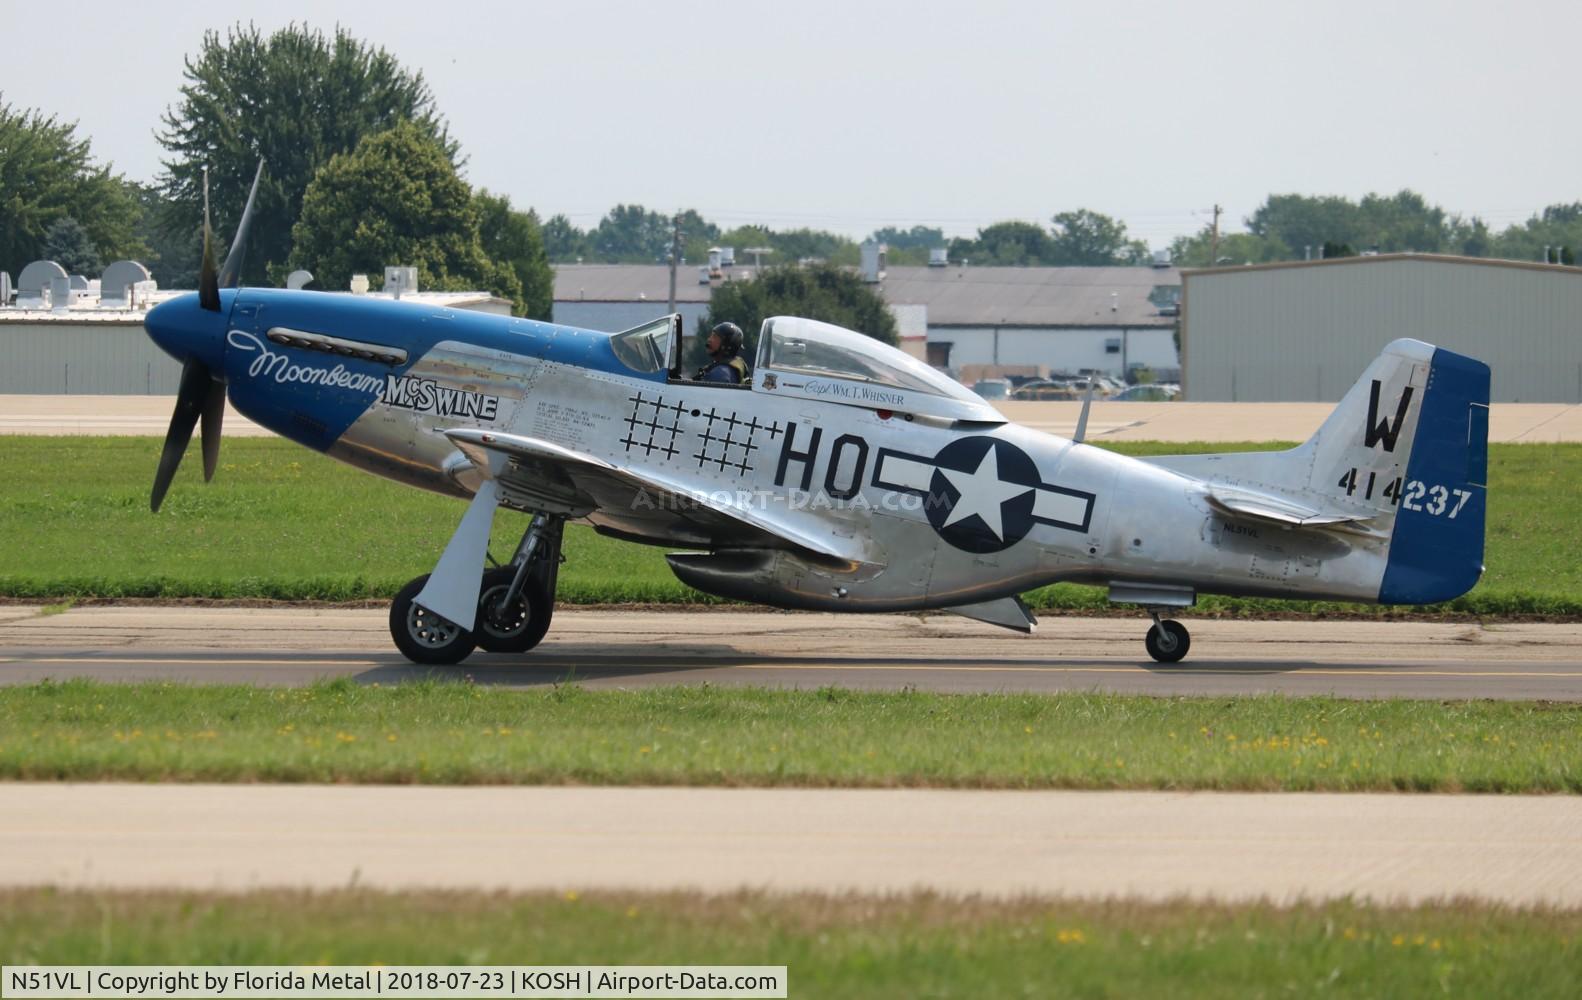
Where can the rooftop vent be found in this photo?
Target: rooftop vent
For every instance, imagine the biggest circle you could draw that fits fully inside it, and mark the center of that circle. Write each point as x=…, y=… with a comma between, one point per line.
x=873, y=262
x=119, y=281
x=33, y=284
x=400, y=280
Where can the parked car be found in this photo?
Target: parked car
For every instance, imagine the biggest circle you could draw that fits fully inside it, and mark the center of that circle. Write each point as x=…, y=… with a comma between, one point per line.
x=1146, y=394
x=1045, y=389
x=993, y=388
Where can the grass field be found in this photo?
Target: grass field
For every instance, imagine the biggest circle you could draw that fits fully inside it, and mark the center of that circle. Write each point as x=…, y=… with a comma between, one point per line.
x=286, y=523
x=920, y=946
x=455, y=733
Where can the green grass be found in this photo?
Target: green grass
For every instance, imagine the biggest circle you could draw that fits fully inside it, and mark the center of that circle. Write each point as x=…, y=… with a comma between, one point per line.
x=849, y=947
x=281, y=522
x=457, y=733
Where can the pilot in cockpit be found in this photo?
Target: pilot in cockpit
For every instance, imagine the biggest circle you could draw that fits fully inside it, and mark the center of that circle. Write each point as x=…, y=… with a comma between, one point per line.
x=725, y=362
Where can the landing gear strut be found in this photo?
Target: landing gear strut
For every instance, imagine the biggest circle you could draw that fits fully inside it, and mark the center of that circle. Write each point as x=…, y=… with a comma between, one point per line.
x=517, y=601
x=1167, y=641
x=515, y=605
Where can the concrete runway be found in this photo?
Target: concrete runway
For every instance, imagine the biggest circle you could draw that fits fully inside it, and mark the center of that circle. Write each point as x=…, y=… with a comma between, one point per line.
x=1520, y=850
x=602, y=648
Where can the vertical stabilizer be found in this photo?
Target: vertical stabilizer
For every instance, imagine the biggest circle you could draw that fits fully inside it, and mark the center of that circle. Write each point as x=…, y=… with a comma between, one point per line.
x=1410, y=442
x=1404, y=456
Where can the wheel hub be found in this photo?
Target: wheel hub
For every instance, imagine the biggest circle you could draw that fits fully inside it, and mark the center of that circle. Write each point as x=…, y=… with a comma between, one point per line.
x=499, y=620
x=430, y=629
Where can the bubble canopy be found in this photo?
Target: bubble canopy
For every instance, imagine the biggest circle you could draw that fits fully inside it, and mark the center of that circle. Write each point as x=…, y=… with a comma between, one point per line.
x=806, y=357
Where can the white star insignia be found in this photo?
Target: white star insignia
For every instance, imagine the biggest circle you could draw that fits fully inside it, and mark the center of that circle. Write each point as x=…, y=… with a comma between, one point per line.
x=983, y=493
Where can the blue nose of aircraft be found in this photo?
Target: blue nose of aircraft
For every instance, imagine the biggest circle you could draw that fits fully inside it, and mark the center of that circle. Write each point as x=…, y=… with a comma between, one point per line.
x=186, y=331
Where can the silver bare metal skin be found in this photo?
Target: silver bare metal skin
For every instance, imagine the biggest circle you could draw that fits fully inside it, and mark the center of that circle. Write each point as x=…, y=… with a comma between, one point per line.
x=844, y=476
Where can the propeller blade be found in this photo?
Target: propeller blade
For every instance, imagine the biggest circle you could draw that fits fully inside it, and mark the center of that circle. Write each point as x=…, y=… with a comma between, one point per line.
x=208, y=278
x=231, y=273
x=213, y=414
x=190, y=398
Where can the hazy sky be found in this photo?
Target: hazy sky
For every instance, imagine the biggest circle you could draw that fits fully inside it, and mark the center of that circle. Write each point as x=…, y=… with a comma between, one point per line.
x=852, y=115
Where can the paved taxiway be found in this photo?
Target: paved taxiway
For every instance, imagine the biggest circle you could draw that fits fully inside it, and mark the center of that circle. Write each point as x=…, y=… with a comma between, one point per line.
x=602, y=648
x=1149, y=845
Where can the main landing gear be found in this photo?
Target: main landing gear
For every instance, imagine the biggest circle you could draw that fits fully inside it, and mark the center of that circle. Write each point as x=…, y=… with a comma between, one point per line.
x=515, y=605
x=1167, y=641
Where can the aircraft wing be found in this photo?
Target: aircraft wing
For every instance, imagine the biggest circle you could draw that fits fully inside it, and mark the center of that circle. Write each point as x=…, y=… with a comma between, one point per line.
x=1268, y=507
x=643, y=505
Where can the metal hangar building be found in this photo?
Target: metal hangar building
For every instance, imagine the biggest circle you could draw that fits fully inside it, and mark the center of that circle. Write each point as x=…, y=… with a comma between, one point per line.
x=1304, y=331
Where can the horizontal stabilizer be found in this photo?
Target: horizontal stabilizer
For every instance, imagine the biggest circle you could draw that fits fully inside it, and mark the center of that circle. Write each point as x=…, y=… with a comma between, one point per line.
x=1267, y=507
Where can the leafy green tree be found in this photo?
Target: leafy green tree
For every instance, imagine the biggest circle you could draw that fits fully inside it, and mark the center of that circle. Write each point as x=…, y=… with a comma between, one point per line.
x=564, y=243
x=800, y=244
x=396, y=199
x=172, y=258
x=1556, y=226
x=296, y=98
x=1234, y=248
x=48, y=174
x=1010, y=244
x=909, y=246
x=922, y=238
x=697, y=235
x=792, y=246
x=1091, y=239
x=1468, y=237
x=512, y=238
x=1299, y=221
x=1402, y=222
x=631, y=234
x=742, y=237
x=69, y=245
x=819, y=291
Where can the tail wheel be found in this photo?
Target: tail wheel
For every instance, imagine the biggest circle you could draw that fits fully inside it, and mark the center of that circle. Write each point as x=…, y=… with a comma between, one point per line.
x=421, y=635
x=518, y=628
x=1168, y=641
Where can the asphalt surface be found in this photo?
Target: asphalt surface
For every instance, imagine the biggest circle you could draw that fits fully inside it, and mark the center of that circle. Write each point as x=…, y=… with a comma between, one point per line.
x=604, y=648
x=1390, y=848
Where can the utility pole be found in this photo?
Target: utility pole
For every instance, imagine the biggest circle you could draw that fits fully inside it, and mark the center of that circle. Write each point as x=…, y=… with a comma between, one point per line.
x=675, y=257
x=1213, y=251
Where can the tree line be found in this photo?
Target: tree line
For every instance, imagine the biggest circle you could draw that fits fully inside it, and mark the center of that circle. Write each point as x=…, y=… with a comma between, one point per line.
x=370, y=176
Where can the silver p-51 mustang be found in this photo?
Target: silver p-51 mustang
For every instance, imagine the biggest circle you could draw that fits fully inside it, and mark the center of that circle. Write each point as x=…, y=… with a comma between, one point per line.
x=845, y=476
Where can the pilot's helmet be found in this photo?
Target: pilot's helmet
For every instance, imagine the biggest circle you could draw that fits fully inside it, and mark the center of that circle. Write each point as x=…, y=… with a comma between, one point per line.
x=730, y=338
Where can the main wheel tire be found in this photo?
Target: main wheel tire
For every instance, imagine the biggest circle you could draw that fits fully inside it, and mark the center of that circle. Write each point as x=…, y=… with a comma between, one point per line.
x=1169, y=646
x=421, y=635
x=520, y=628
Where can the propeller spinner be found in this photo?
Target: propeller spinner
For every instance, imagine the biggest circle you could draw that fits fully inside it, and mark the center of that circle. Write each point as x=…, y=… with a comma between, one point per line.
x=202, y=390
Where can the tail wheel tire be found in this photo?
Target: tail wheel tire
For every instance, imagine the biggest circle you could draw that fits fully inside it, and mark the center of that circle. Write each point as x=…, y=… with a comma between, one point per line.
x=1168, y=641
x=516, y=629
x=423, y=636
